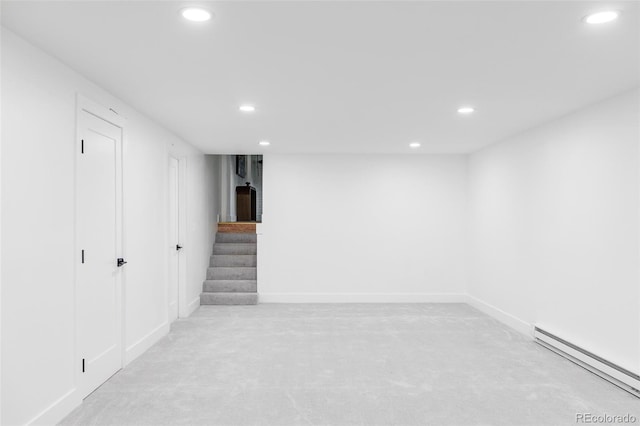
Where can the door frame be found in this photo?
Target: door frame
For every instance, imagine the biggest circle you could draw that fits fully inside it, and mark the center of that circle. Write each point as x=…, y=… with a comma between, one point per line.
x=183, y=303
x=182, y=235
x=84, y=104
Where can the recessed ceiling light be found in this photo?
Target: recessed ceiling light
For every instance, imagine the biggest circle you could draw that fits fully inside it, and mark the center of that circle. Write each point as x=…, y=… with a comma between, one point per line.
x=466, y=110
x=247, y=108
x=414, y=144
x=264, y=143
x=602, y=17
x=196, y=14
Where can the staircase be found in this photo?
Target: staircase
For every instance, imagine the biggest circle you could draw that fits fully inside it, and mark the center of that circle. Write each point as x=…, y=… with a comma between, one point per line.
x=231, y=277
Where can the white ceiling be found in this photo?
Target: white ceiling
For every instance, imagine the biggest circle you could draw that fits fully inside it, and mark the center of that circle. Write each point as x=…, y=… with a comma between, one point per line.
x=342, y=77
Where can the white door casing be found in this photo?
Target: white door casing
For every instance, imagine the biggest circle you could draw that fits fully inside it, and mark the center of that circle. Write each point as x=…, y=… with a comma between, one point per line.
x=99, y=281
x=174, y=239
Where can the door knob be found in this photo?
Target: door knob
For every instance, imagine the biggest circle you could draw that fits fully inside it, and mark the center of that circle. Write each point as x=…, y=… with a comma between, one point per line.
x=178, y=247
x=121, y=262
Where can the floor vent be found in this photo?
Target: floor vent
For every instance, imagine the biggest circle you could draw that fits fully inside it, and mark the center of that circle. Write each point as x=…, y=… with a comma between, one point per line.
x=609, y=371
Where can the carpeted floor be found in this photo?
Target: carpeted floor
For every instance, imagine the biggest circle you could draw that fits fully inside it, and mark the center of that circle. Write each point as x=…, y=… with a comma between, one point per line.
x=349, y=364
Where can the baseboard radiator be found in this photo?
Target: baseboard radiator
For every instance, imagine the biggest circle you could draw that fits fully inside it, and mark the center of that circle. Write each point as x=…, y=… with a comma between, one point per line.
x=615, y=374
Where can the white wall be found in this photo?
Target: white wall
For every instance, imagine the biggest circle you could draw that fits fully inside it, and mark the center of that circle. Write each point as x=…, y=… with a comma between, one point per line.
x=202, y=208
x=38, y=137
x=362, y=228
x=214, y=195
x=554, y=220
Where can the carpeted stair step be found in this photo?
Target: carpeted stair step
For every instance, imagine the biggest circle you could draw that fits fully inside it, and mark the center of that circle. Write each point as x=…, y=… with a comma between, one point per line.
x=230, y=286
x=232, y=260
x=236, y=238
x=234, y=248
x=228, y=298
x=232, y=273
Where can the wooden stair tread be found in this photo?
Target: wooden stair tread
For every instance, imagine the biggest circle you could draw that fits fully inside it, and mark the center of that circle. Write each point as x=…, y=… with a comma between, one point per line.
x=237, y=227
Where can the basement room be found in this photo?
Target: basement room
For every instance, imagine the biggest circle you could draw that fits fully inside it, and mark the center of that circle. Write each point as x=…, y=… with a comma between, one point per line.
x=330, y=212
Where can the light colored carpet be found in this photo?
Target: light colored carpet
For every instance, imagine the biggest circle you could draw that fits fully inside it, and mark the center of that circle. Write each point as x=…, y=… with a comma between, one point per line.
x=348, y=364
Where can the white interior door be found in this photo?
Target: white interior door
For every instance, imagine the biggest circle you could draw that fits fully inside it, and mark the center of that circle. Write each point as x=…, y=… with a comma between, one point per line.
x=99, y=237
x=174, y=238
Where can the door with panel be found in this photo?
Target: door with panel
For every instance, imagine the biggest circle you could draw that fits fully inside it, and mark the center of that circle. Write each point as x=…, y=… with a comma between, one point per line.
x=99, y=238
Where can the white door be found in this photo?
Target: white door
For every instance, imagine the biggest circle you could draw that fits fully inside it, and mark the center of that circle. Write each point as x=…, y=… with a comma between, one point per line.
x=99, y=284
x=174, y=238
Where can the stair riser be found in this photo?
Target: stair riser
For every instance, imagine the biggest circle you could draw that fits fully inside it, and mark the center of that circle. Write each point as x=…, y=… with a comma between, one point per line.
x=230, y=286
x=235, y=249
x=237, y=228
x=231, y=273
x=228, y=299
x=232, y=260
x=236, y=238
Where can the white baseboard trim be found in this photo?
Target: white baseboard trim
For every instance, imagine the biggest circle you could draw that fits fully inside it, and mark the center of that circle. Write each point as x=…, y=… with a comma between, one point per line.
x=502, y=316
x=141, y=346
x=361, y=298
x=64, y=405
x=192, y=306
x=57, y=411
